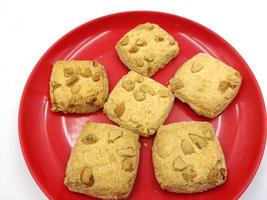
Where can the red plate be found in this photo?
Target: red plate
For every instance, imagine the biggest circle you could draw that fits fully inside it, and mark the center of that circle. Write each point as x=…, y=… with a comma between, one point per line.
x=46, y=138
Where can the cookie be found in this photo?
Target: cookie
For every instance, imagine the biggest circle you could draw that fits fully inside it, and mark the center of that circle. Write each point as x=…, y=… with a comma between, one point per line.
x=146, y=49
x=187, y=157
x=103, y=162
x=78, y=86
x=206, y=84
x=139, y=104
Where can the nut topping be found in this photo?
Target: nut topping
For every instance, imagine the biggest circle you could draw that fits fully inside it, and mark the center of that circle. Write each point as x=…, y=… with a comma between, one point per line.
x=189, y=173
x=127, y=165
x=68, y=71
x=72, y=80
x=198, y=141
x=139, y=95
x=224, y=85
x=179, y=164
x=196, y=67
x=139, y=79
x=124, y=41
x=75, y=89
x=89, y=139
x=147, y=89
x=187, y=147
x=114, y=135
x=140, y=42
x=87, y=177
x=119, y=109
x=134, y=49
x=164, y=93
x=128, y=85
x=149, y=57
x=140, y=62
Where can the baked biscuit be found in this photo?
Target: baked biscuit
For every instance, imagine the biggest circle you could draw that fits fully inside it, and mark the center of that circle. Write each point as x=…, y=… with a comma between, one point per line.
x=78, y=86
x=139, y=104
x=187, y=157
x=146, y=48
x=103, y=162
x=206, y=84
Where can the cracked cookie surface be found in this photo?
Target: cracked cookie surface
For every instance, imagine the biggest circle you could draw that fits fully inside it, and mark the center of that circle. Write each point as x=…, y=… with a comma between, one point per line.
x=187, y=157
x=78, y=86
x=103, y=162
x=139, y=104
x=146, y=48
x=206, y=84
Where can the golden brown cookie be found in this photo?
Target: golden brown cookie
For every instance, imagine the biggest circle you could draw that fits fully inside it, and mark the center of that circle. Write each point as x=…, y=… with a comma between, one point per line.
x=78, y=86
x=103, y=162
x=206, y=84
x=146, y=48
x=187, y=157
x=139, y=104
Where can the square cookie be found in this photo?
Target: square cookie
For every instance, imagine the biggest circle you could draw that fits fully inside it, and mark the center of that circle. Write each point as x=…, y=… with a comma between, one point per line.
x=146, y=49
x=78, y=86
x=139, y=104
x=103, y=162
x=187, y=157
x=206, y=84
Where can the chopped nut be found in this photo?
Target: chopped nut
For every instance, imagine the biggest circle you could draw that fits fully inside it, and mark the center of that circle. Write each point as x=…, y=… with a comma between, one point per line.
x=189, y=173
x=89, y=139
x=133, y=49
x=140, y=62
x=187, y=147
x=127, y=165
x=196, y=67
x=55, y=85
x=213, y=175
x=139, y=95
x=95, y=63
x=68, y=71
x=139, y=78
x=178, y=164
x=149, y=27
x=124, y=41
x=87, y=177
x=86, y=72
x=159, y=38
x=164, y=93
x=176, y=84
x=149, y=57
x=171, y=42
x=149, y=71
x=140, y=42
x=147, y=89
x=91, y=100
x=129, y=152
x=96, y=76
x=224, y=85
x=198, y=141
x=119, y=109
x=128, y=85
x=223, y=173
x=72, y=80
x=75, y=99
x=75, y=89
x=114, y=135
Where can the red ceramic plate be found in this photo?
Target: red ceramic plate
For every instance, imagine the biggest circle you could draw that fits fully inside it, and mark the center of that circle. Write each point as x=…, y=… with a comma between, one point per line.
x=47, y=138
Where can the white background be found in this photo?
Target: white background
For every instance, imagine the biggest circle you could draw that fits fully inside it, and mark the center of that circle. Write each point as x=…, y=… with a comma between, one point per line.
x=28, y=28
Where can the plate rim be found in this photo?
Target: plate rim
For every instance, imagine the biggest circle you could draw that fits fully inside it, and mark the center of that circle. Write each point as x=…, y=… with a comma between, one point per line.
x=139, y=12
